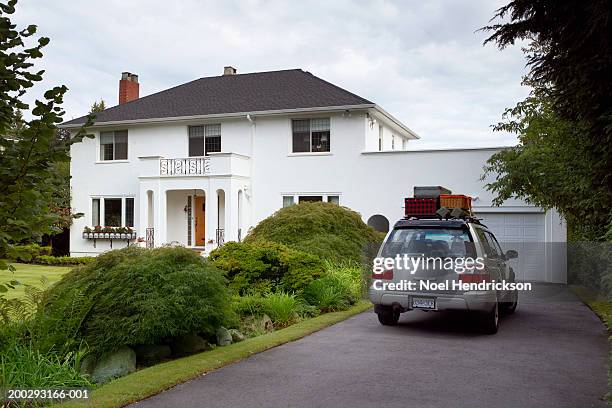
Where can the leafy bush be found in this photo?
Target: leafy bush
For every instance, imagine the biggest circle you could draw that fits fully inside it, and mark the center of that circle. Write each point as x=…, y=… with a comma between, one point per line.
x=257, y=305
x=327, y=230
x=134, y=296
x=63, y=260
x=341, y=287
x=262, y=267
x=27, y=253
x=248, y=305
x=352, y=274
x=281, y=307
x=590, y=265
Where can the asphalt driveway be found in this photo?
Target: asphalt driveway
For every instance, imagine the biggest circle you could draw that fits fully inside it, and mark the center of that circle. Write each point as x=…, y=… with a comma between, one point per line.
x=551, y=353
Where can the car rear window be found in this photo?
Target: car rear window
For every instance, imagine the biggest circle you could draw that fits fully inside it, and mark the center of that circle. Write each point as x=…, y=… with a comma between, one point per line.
x=429, y=242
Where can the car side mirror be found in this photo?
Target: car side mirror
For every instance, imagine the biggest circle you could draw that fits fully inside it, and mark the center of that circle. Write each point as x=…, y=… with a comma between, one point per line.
x=511, y=254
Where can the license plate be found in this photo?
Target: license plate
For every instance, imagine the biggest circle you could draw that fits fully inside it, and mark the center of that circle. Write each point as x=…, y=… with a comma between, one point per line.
x=423, y=303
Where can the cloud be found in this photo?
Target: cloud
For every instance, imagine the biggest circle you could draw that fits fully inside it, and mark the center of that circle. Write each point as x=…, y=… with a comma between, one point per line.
x=424, y=62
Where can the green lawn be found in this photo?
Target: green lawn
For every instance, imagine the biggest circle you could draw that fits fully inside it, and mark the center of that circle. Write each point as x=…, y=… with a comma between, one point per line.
x=30, y=275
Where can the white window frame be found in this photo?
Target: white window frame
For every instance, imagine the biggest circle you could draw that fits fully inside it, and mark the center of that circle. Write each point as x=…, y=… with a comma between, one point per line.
x=99, y=159
x=204, y=126
x=296, y=196
x=310, y=153
x=102, y=210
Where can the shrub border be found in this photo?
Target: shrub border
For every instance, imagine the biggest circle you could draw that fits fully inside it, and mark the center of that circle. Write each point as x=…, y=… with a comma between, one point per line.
x=153, y=380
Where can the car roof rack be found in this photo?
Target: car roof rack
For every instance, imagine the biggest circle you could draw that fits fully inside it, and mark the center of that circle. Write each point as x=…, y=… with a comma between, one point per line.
x=436, y=217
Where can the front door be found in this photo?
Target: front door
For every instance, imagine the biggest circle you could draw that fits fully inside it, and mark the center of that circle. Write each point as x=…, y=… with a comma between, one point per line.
x=200, y=210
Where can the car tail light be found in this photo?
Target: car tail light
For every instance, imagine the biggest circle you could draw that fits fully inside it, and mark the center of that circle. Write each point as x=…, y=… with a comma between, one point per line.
x=482, y=276
x=385, y=275
x=475, y=278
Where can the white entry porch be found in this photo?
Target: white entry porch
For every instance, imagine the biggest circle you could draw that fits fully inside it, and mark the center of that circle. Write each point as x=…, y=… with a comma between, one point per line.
x=201, y=213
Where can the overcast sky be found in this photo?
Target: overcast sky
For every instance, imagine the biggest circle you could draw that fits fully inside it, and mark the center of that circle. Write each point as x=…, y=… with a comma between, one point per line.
x=422, y=61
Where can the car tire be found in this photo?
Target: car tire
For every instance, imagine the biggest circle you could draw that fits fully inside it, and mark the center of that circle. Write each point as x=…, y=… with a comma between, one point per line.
x=388, y=317
x=510, y=307
x=490, y=320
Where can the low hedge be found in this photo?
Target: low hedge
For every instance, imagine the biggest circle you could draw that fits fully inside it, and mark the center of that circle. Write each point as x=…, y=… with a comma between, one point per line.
x=63, y=260
x=41, y=255
x=27, y=253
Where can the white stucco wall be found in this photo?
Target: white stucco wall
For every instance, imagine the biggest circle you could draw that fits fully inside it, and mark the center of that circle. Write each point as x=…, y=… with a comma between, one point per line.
x=368, y=181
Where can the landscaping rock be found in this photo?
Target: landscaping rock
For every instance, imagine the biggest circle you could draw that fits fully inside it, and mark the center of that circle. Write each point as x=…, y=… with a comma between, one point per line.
x=115, y=364
x=266, y=323
x=189, y=344
x=256, y=326
x=224, y=337
x=87, y=365
x=236, y=335
x=152, y=353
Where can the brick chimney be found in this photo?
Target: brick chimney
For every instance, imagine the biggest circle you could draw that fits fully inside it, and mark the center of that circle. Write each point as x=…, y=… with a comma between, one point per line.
x=128, y=87
x=229, y=70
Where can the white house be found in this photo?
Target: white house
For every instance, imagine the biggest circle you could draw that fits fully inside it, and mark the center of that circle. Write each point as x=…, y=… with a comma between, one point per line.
x=201, y=163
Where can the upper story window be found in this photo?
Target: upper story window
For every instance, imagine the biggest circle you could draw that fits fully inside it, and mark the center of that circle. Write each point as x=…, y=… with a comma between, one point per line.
x=114, y=145
x=204, y=139
x=289, y=200
x=311, y=135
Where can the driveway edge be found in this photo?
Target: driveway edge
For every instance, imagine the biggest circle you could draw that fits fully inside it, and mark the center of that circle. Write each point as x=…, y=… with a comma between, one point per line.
x=153, y=380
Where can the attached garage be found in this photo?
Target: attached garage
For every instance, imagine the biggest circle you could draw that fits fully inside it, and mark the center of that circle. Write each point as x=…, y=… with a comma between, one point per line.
x=532, y=234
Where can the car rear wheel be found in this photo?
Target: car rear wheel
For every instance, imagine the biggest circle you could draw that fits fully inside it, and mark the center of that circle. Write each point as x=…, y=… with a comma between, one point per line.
x=490, y=321
x=388, y=317
x=510, y=306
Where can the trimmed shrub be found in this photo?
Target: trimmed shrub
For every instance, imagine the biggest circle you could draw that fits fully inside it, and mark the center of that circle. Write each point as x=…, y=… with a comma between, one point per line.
x=326, y=230
x=63, y=260
x=27, y=253
x=134, y=296
x=262, y=267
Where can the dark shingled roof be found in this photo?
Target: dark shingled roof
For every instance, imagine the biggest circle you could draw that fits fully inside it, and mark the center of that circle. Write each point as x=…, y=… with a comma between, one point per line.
x=261, y=91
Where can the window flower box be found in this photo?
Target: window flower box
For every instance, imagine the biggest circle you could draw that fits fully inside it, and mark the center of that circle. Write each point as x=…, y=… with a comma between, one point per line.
x=110, y=233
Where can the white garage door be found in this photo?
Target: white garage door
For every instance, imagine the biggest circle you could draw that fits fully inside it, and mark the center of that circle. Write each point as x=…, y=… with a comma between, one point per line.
x=525, y=234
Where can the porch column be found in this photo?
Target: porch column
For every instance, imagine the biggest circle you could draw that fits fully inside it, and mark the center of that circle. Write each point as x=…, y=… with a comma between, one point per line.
x=211, y=216
x=140, y=223
x=160, y=218
x=231, y=213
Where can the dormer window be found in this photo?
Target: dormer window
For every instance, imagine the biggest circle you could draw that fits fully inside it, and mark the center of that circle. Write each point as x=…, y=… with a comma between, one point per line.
x=114, y=145
x=311, y=135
